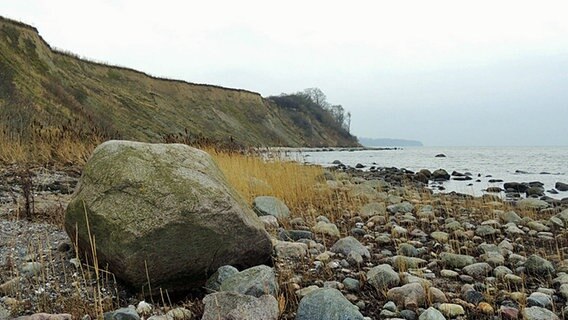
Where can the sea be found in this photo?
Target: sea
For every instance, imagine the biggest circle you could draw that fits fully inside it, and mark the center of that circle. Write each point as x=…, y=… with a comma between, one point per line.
x=509, y=164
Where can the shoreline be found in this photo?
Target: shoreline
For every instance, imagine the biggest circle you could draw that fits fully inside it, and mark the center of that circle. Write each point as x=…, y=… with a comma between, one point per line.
x=411, y=231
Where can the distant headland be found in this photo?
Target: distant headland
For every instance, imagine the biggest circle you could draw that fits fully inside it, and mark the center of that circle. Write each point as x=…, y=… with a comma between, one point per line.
x=387, y=142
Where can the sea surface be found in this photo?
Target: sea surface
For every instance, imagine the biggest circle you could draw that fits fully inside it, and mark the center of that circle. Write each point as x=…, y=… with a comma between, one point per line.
x=510, y=164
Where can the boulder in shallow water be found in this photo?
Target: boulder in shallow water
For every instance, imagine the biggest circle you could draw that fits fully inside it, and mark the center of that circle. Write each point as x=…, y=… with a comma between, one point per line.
x=162, y=210
x=560, y=186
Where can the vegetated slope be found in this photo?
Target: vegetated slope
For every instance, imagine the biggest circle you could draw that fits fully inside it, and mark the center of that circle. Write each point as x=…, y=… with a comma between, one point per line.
x=43, y=89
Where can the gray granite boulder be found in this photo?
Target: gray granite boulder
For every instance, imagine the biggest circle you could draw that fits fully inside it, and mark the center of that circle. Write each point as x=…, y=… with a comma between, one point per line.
x=163, y=212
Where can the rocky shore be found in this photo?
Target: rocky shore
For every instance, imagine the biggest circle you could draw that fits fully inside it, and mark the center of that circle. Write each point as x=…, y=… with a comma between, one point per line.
x=403, y=253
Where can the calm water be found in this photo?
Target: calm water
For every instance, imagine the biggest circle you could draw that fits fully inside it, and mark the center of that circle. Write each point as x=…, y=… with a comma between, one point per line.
x=545, y=164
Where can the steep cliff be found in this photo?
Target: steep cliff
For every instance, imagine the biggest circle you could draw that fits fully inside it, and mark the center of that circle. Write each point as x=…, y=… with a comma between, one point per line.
x=51, y=90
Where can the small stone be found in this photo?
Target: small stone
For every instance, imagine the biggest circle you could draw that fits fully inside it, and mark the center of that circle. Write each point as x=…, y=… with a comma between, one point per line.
x=214, y=282
x=440, y=236
x=485, y=308
x=539, y=299
x=122, y=314
x=11, y=286
x=144, y=308
x=390, y=306
x=290, y=250
x=431, y=314
x=268, y=205
x=535, y=265
x=478, y=270
x=449, y=273
x=30, y=269
x=383, y=277
x=351, y=284
x=305, y=291
x=350, y=244
x=509, y=313
x=326, y=228
x=326, y=304
x=451, y=310
x=538, y=313
x=255, y=281
x=458, y=261
x=179, y=314
x=473, y=296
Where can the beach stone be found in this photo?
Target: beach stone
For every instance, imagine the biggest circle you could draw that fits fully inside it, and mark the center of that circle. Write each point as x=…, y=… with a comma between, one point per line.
x=457, y=261
x=305, y=291
x=509, y=313
x=326, y=228
x=431, y=314
x=46, y=316
x=509, y=216
x=270, y=206
x=538, y=313
x=232, y=305
x=440, y=236
x=31, y=269
x=171, y=200
x=295, y=235
x=478, y=270
x=564, y=290
x=485, y=308
x=449, y=273
x=122, y=314
x=373, y=209
x=413, y=295
x=440, y=175
x=532, y=203
x=501, y=271
x=539, y=299
x=179, y=314
x=403, y=207
x=563, y=216
x=290, y=250
x=144, y=308
x=269, y=222
x=403, y=263
x=473, y=296
x=493, y=258
x=407, y=250
x=350, y=244
x=327, y=304
x=214, y=282
x=351, y=284
x=255, y=281
x=536, y=265
x=451, y=310
x=383, y=277
x=560, y=186
x=11, y=286
x=485, y=230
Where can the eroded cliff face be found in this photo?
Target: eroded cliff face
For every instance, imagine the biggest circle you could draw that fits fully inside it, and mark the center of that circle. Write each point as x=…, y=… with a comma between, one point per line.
x=51, y=90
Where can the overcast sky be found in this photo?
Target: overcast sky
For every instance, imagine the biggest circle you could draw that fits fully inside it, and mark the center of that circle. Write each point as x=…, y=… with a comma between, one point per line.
x=473, y=73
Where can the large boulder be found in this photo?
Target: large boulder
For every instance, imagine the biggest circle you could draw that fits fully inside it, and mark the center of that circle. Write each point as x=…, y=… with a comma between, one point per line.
x=163, y=213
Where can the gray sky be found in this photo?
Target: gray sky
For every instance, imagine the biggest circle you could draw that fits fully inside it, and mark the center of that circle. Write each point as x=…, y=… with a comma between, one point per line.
x=473, y=73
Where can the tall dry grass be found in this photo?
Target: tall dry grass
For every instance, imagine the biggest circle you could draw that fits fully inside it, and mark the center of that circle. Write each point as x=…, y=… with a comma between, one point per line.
x=46, y=146
x=302, y=187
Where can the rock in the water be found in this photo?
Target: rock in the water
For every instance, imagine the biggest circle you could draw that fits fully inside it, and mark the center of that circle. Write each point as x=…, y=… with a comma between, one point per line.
x=538, y=313
x=535, y=265
x=255, y=281
x=440, y=155
x=560, y=186
x=350, y=244
x=163, y=211
x=327, y=304
x=231, y=305
x=270, y=206
x=383, y=277
x=440, y=175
